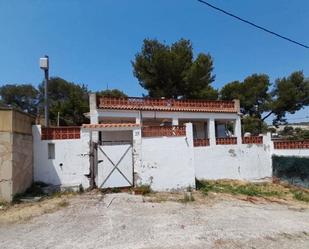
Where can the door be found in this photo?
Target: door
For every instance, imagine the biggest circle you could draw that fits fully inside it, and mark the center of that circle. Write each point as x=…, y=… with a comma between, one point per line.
x=115, y=165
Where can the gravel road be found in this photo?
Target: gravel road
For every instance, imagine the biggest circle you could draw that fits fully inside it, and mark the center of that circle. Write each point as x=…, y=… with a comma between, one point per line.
x=128, y=221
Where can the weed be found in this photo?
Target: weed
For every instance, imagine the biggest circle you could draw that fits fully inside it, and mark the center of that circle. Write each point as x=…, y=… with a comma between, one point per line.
x=4, y=204
x=249, y=189
x=188, y=197
x=63, y=203
x=143, y=189
x=301, y=195
x=189, y=188
x=115, y=190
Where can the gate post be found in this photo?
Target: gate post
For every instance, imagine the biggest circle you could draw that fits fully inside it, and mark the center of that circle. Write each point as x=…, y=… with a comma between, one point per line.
x=93, y=158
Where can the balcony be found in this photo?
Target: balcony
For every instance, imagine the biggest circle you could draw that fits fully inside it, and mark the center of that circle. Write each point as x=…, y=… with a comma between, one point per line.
x=226, y=140
x=252, y=140
x=163, y=131
x=201, y=142
x=134, y=103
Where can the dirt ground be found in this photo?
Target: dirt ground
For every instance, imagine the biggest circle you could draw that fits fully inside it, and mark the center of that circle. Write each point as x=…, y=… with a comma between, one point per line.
x=121, y=220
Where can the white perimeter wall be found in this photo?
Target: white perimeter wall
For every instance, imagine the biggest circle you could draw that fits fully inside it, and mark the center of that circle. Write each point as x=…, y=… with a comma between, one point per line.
x=71, y=153
x=243, y=162
x=167, y=163
x=294, y=152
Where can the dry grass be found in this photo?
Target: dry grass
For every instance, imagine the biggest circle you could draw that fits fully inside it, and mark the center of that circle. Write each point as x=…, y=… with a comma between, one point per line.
x=265, y=190
x=210, y=192
x=25, y=211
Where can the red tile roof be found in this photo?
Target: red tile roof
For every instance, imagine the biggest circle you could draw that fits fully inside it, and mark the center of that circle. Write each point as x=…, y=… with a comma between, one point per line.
x=148, y=104
x=110, y=125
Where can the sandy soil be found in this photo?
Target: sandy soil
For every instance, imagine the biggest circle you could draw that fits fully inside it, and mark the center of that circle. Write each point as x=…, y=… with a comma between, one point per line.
x=124, y=221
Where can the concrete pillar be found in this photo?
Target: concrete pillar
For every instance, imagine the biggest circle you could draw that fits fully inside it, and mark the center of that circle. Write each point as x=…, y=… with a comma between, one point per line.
x=237, y=130
x=189, y=134
x=138, y=119
x=94, y=116
x=175, y=121
x=212, y=132
x=237, y=105
x=137, y=156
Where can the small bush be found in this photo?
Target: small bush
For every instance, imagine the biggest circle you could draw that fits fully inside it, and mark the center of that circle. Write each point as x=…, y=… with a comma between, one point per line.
x=143, y=189
x=115, y=190
x=63, y=203
x=301, y=196
x=188, y=197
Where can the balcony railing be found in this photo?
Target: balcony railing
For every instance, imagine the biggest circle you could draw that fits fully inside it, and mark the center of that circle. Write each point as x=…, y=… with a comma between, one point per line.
x=290, y=144
x=56, y=133
x=163, y=131
x=166, y=104
x=252, y=140
x=201, y=142
x=226, y=140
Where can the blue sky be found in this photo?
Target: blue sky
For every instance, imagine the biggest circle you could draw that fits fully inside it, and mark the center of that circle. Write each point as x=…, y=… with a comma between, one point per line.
x=93, y=42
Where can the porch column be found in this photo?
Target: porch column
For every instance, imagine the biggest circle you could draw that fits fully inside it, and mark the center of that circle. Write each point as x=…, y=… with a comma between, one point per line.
x=237, y=130
x=212, y=132
x=94, y=116
x=175, y=121
x=138, y=119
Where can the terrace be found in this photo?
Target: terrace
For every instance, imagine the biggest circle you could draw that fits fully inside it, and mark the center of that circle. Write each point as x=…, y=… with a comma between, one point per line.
x=214, y=121
x=150, y=104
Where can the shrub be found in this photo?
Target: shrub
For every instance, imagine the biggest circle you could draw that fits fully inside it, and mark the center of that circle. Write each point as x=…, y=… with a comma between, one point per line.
x=143, y=189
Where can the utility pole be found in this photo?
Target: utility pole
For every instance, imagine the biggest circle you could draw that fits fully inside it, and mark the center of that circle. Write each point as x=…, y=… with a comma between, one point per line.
x=44, y=65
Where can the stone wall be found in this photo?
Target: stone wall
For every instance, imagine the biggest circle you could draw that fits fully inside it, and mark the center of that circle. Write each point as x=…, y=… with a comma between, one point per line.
x=5, y=166
x=22, y=163
x=15, y=152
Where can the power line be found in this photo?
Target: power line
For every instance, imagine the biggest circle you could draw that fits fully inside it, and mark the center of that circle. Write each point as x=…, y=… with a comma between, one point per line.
x=253, y=24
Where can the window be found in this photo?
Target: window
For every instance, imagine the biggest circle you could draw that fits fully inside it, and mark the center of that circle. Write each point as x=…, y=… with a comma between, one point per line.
x=51, y=151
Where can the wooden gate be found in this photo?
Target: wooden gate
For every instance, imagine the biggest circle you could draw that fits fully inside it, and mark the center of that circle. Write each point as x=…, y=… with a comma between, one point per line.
x=115, y=165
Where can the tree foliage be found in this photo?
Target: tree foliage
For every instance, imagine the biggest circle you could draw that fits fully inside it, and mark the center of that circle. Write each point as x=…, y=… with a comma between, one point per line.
x=115, y=93
x=253, y=94
x=259, y=99
x=290, y=94
x=172, y=72
x=289, y=132
x=23, y=96
x=68, y=99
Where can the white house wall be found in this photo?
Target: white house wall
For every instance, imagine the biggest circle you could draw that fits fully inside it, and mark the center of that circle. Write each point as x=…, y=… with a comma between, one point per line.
x=167, y=163
x=159, y=114
x=71, y=162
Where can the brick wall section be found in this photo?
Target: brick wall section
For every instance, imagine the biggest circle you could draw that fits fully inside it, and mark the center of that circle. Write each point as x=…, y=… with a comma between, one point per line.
x=163, y=131
x=252, y=140
x=290, y=144
x=55, y=133
x=226, y=140
x=201, y=142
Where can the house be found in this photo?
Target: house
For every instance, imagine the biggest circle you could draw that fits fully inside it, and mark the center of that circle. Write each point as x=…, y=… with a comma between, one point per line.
x=164, y=143
x=214, y=121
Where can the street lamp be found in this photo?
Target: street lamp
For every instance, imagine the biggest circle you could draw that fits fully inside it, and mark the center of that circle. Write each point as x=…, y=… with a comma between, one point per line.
x=44, y=65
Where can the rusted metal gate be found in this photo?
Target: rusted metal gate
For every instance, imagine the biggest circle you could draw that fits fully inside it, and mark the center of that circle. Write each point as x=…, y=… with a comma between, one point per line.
x=114, y=165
